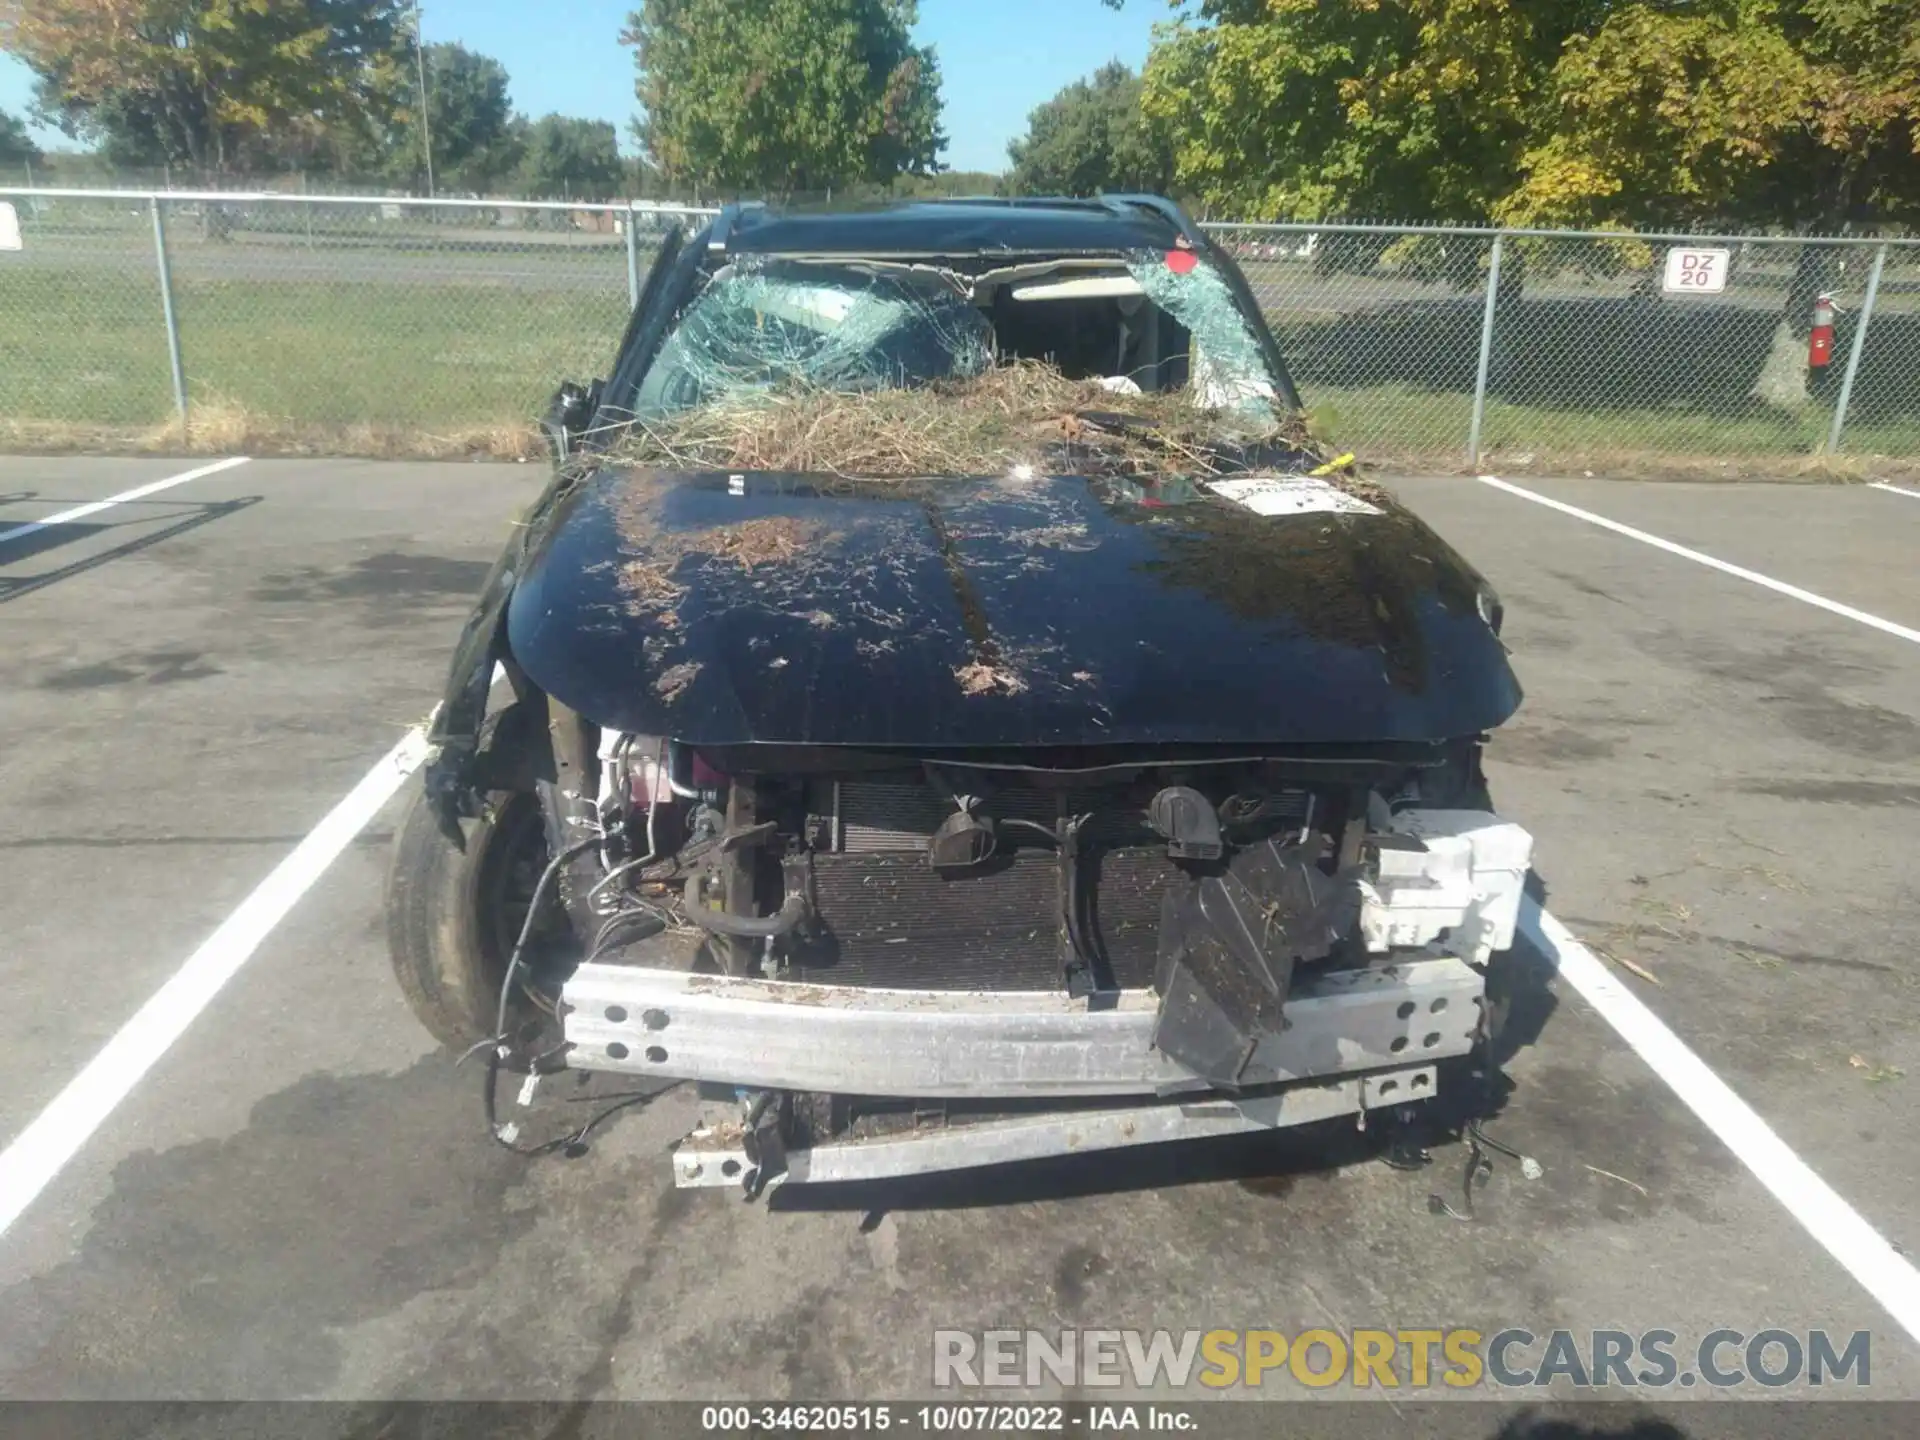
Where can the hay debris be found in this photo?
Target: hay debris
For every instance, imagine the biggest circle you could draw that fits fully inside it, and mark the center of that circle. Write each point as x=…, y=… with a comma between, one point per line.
x=981, y=679
x=1023, y=414
x=648, y=579
x=649, y=583
x=765, y=541
x=674, y=679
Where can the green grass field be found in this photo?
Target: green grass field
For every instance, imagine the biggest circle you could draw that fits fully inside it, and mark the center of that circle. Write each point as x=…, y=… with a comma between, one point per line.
x=1407, y=422
x=390, y=368
x=89, y=349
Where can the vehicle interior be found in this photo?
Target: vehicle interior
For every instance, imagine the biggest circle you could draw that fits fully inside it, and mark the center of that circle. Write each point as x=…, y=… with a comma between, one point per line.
x=858, y=324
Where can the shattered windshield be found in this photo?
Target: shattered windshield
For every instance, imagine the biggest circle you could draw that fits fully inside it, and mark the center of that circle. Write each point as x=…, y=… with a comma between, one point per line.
x=871, y=367
x=821, y=327
x=1228, y=369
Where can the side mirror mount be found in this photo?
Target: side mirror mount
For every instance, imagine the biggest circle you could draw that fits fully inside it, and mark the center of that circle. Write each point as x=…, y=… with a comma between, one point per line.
x=568, y=415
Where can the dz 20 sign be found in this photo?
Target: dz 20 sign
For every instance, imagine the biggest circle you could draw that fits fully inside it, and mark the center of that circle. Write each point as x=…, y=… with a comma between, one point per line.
x=1697, y=272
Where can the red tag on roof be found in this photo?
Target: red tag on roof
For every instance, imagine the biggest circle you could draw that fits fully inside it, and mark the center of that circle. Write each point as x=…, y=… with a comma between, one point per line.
x=1182, y=262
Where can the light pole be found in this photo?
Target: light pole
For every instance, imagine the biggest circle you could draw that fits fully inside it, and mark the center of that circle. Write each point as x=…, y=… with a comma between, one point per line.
x=420, y=57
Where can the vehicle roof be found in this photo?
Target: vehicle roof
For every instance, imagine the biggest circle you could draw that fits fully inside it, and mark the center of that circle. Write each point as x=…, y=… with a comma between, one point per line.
x=957, y=227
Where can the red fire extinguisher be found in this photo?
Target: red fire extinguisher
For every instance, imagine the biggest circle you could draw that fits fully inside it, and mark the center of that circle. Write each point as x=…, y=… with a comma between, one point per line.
x=1820, y=339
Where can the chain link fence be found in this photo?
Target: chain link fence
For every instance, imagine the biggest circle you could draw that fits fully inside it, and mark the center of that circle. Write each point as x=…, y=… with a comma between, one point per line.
x=1579, y=350
x=363, y=326
x=394, y=326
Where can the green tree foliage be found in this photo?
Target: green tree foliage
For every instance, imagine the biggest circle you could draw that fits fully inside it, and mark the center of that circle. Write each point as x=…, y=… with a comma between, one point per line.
x=215, y=85
x=1779, y=112
x=571, y=159
x=16, y=145
x=1089, y=138
x=784, y=96
x=476, y=140
x=1592, y=112
x=1387, y=108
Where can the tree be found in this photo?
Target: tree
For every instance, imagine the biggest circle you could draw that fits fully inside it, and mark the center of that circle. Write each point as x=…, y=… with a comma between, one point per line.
x=1091, y=137
x=1796, y=113
x=570, y=158
x=218, y=85
x=784, y=96
x=16, y=145
x=1314, y=109
x=476, y=142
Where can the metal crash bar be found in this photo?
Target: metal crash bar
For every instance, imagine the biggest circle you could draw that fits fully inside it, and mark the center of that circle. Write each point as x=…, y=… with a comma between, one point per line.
x=993, y=1044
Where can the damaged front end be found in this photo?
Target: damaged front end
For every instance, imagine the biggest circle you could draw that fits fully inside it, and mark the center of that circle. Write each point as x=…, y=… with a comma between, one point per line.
x=887, y=973
x=943, y=825
x=971, y=721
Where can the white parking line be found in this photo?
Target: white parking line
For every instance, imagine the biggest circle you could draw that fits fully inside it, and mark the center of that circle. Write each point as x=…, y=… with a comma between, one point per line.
x=1893, y=489
x=139, y=492
x=1780, y=587
x=1886, y=1274
x=41, y=1151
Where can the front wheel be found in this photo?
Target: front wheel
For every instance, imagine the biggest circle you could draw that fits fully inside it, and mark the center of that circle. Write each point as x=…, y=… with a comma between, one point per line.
x=453, y=916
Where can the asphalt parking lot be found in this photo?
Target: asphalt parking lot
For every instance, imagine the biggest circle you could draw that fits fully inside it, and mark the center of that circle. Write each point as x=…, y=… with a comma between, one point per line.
x=299, y=1198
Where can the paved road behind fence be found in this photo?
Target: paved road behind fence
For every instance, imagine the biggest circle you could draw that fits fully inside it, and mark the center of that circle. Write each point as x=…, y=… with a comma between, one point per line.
x=383, y=326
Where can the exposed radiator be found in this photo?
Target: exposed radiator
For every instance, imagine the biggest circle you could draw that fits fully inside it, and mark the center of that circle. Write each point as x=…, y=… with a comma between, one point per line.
x=889, y=919
x=870, y=818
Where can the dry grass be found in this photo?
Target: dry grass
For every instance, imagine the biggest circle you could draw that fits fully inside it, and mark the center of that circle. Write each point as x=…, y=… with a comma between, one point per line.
x=1022, y=414
x=1026, y=413
x=221, y=427
x=648, y=581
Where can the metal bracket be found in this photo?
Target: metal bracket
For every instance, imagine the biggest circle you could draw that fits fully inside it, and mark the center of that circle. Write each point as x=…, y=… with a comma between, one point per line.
x=722, y=1154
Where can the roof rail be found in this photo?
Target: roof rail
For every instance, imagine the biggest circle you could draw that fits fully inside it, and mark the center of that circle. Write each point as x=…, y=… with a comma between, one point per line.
x=1051, y=202
x=1164, y=208
x=729, y=216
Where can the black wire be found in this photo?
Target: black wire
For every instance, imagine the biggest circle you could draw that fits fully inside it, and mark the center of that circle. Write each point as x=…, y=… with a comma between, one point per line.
x=1046, y=830
x=617, y=1095
x=1479, y=1170
x=600, y=1117
x=526, y=931
x=575, y=1138
x=1479, y=1167
x=568, y=1142
x=1474, y=1131
x=606, y=931
x=496, y=1052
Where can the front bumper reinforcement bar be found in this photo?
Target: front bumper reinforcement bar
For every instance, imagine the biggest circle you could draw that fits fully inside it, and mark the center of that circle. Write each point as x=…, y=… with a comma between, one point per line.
x=724, y=1154
x=977, y=1045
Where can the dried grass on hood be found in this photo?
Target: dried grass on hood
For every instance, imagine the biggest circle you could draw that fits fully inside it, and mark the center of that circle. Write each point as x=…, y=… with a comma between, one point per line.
x=1025, y=413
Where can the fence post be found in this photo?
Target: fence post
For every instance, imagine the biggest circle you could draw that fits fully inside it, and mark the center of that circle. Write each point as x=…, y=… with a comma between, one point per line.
x=1853, y=356
x=1486, y=354
x=166, y=307
x=633, y=261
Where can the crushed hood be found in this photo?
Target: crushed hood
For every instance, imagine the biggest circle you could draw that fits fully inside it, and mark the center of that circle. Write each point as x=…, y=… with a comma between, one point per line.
x=1055, y=611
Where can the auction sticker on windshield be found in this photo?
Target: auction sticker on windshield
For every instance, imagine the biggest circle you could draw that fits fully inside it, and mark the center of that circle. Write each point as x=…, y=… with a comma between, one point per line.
x=1290, y=495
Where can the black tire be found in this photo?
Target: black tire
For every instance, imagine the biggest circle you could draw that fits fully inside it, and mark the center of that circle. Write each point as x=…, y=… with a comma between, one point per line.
x=453, y=915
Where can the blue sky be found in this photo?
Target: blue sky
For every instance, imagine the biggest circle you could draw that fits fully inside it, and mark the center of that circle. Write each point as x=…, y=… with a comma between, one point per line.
x=998, y=58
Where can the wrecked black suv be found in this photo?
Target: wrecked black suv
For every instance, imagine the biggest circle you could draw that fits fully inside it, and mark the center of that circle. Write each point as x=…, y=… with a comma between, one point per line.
x=957, y=714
